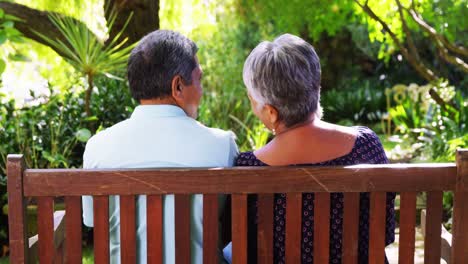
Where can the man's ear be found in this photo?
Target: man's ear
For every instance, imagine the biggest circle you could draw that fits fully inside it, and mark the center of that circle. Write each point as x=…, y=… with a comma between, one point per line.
x=176, y=87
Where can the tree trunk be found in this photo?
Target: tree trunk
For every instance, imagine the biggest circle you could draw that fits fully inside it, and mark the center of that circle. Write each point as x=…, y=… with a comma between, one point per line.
x=89, y=92
x=145, y=18
x=34, y=20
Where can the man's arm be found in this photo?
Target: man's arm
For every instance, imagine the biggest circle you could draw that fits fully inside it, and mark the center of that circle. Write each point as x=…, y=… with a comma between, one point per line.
x=225, y=202
x=87, y=201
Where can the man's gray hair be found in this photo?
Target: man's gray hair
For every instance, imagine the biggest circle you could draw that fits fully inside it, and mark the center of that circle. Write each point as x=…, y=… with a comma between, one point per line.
x=285, y=74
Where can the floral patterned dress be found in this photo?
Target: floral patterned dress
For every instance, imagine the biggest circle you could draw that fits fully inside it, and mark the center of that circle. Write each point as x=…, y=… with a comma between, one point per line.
x=366, y=150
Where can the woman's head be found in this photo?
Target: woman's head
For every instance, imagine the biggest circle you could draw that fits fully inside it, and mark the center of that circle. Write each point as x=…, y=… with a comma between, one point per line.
x=283, y=81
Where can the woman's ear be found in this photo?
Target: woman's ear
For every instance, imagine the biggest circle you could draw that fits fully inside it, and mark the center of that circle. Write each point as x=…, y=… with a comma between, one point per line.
x=271, y=114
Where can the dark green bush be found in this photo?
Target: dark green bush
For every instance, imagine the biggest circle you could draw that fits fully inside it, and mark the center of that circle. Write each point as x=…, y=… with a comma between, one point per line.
x=51, y=132
x=364, y=104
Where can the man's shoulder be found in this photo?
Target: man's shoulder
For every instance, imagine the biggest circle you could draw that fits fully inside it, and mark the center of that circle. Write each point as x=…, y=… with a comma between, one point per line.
x=107, y=134
x=214, y=132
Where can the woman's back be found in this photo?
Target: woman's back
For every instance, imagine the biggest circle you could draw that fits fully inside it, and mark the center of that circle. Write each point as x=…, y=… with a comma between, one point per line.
x=347, y=146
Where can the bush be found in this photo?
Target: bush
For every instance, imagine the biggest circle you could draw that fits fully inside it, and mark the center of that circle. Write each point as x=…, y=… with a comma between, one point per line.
x=51, y=132
x=364, y=104
x=428, y=130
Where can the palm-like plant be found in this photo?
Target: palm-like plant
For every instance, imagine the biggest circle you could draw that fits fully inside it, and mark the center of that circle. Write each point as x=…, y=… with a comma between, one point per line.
x=86, y=53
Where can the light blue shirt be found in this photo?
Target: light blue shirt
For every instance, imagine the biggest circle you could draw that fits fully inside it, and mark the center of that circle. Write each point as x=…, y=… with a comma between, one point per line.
x=157, y=136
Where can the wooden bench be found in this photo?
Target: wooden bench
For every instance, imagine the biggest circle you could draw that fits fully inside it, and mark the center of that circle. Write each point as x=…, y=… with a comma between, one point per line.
x=407, y=179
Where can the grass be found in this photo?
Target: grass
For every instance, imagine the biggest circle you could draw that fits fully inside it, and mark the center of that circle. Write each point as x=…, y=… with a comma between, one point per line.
x=88, y=257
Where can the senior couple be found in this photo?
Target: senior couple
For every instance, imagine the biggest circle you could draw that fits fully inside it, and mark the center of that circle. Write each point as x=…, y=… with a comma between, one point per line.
x=282, y=78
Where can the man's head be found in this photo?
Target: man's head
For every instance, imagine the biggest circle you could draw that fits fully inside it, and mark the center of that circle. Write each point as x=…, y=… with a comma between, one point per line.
x=164, y=68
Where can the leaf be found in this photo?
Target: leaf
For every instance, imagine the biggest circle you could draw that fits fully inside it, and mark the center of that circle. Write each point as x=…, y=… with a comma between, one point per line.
x=18, y=57
x=2, y=13
x=13, y=18
x=91, y=119
x=3, y=37
x=2, y=66
x=12, y=32
x=83, y=135
x=8, y=24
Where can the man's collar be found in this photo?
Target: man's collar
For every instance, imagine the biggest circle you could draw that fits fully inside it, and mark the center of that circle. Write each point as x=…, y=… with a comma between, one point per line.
x=149, y=111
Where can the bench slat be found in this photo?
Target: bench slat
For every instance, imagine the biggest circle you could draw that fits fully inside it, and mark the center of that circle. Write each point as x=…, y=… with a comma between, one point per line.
x=127, y=229
x=182, y=228
x=239, y=228
x=211, y=228
x=293, y=227
x=154, y=225
x=321, y=227
x=377, y=227
x=265, y=229
x=432, y=240
x=101, y=229
x=73, y=251
x=45, y=225
x=350, y=228
x=386, y=177
x=407, y=227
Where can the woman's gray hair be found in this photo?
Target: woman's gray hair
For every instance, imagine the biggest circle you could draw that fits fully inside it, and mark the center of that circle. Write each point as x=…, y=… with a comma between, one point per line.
x=286, y=74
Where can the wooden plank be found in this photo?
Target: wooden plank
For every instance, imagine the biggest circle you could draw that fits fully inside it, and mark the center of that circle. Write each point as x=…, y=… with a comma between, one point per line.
x=239, y=228
x=17, y=224
x=460, y=210
x=377, y=227
x=322, y=228
x=361, y=178
x=127, y=229
x=73, y=251
x=406, y=244
x=182, y=231
x=460, y=228
x=293, y=227
x=210, y=229
x=45, y=229
x=154, y=225
x=59, y=238
x=350, y=228
x=432, y=240
x=101, y=229
x=265, y=229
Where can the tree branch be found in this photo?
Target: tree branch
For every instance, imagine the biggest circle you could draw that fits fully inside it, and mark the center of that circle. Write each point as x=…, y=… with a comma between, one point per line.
x=409, y=38
x=34, y=20
x=460, y=50
x=420, y=67
x=442, y=43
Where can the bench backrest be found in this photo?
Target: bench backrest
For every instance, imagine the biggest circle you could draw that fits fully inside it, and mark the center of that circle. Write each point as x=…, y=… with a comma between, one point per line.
x=407, y=179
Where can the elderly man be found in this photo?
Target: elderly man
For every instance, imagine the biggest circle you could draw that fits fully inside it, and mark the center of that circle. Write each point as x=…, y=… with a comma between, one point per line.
x=165, y=78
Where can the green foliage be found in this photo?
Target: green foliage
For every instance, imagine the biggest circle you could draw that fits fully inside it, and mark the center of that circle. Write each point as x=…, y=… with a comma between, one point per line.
x=362, y=104
x=308, y=19
x=86, y=53
x=51, y=131
x=429, y=130
x=8, y=34
x=446, y=16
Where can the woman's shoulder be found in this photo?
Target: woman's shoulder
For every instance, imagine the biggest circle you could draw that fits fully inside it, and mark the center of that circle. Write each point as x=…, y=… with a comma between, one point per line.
x=366, y=135
x=368, y=146
x=248, y=158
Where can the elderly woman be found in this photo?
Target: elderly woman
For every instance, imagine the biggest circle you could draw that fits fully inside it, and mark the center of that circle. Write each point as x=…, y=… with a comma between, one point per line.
x=283, y=84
